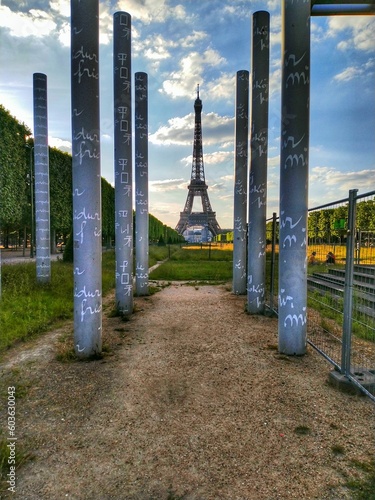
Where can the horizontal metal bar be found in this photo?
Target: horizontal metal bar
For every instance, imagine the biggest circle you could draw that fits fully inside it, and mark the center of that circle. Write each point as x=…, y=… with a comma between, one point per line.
x=365, y=195
x=354, y=381
x=324, y=354
x=343, y=10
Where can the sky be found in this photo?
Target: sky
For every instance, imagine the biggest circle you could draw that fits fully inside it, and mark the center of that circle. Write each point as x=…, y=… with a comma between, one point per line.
x=182, y=43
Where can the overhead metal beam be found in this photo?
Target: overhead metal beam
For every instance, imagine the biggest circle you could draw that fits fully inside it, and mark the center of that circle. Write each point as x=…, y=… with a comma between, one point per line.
x=344, y=7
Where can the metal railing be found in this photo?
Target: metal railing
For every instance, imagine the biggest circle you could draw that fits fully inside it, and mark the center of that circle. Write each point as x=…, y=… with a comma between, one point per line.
x=341, y=289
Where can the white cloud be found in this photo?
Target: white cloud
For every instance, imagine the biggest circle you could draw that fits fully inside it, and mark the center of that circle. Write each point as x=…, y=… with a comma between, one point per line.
x=55, y=142
x=223, y=87
x=167, y=185
x=334, y=183
x=64, y=35
x=148, y=11
x=191, y=40
x=216, y=129
x=62, y=7
x=35, y=23
x=348, y=74
x=359, y=31
x=352, y=72
x=192, y=69
x=178, y=131
x=218, y=158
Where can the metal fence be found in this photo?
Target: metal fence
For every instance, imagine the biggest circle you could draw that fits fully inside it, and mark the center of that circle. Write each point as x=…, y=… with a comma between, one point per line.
x=341, y=285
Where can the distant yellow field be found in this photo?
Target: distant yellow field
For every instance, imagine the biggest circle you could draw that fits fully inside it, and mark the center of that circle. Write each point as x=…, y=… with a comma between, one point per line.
x=203, y=246
x=363, y=255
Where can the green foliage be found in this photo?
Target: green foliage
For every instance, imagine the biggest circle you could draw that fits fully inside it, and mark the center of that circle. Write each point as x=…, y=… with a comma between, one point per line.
x=329, y=225
x=108, y=213
x=68, y=250
x=29, y=309
x=14, y=171
x=157, y=230
x=61, y=197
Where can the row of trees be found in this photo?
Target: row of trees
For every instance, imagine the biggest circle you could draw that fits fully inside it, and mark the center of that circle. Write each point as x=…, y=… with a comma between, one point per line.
x=329, y=225
x=16, y=191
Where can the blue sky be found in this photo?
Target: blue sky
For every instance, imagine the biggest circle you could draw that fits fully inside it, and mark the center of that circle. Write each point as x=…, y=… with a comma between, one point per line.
x=181, y=43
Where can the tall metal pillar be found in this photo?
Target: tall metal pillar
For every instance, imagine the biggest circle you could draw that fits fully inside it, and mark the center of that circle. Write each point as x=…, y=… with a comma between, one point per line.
x=256, y=274
x=294, y=164
x=41, y=175
x=87, y=223
x=141, y=182
x=240, y=183
x=123, y=161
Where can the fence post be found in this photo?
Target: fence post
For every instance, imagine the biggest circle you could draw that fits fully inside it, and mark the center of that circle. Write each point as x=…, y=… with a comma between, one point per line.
x=273, y=257
x=348, y=285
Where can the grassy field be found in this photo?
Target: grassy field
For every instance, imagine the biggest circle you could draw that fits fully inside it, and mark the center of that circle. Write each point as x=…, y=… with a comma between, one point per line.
x=196, y=263
x=28, y=308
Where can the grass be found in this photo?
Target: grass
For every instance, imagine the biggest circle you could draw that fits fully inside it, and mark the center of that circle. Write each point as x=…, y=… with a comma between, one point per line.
x=10, y=459
x=363, y=489
x=29, y=308
x=159, y=253
x=186, y=264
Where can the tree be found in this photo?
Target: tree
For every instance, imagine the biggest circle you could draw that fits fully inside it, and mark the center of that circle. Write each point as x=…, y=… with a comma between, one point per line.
x=15, y=173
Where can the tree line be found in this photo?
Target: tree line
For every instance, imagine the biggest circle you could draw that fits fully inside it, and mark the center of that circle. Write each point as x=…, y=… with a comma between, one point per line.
x=329, y=225
x=16, y=192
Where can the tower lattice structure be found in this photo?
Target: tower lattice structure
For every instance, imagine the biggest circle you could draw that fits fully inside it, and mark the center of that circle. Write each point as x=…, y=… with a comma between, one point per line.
x=198, y=186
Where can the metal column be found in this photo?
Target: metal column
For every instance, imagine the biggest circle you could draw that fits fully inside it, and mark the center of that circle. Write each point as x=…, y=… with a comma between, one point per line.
x=87, y=231
x=256, y=274
x=123, y=161
x=141, y=183
x=240, y=182
x=41, y=174
x=294, y=163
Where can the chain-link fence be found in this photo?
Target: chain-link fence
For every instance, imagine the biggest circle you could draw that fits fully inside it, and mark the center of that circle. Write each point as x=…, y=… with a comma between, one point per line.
x=341, y=284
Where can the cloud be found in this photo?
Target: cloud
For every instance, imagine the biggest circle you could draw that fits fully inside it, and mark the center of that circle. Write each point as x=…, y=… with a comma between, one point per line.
x=223, y=87
x=218, y=158
x=358, y=31
x=61, y=7
x=192, y=68
x=148, y=11
x=352, y=72
x=55, y=142
x=191, y=40
x=179, y=130
x=36, y=23
x=167, y=185
x=329, y=183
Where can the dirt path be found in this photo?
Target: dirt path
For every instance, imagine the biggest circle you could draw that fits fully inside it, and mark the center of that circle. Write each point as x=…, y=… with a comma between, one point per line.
x=193, y=402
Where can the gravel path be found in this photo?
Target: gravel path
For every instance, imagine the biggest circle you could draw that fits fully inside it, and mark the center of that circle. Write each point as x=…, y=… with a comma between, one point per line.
x=194, y=402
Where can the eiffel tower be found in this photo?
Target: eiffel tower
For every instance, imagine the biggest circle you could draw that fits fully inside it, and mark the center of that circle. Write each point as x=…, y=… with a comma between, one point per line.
x=198, y=186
